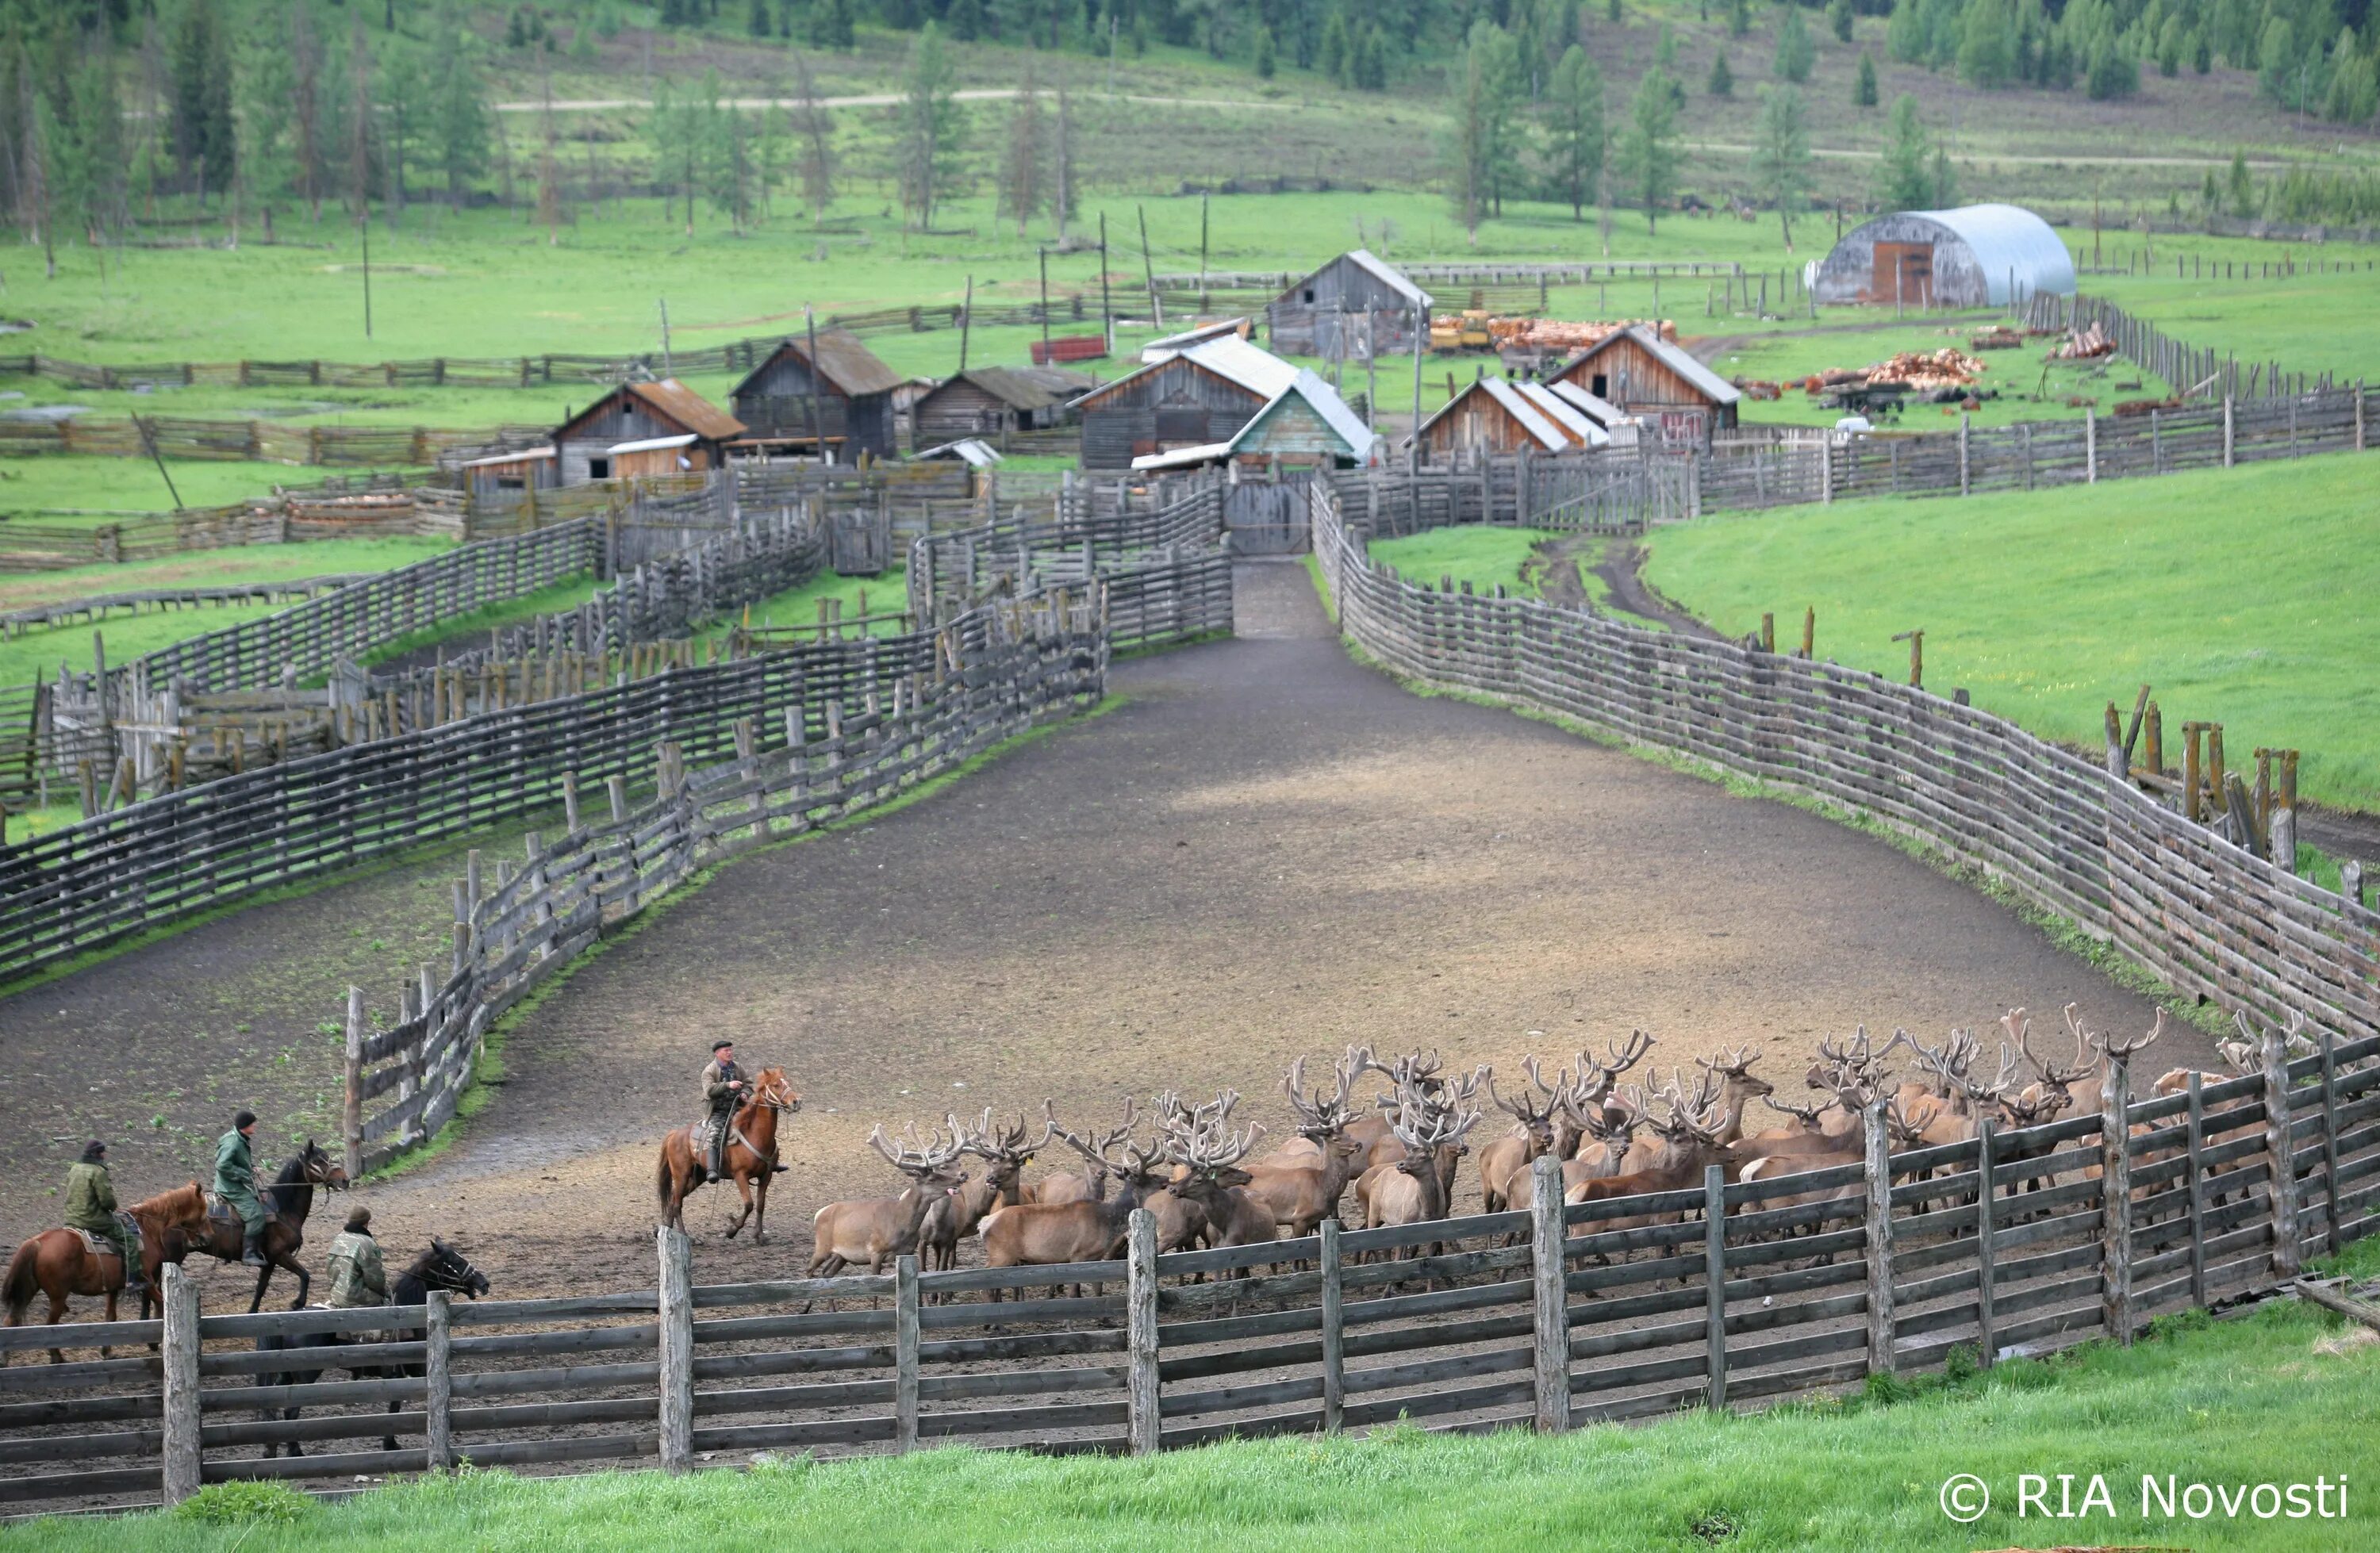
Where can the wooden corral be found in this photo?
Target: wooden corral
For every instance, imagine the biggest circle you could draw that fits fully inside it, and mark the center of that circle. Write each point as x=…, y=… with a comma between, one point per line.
x=1640, y=373
x=643, y=429
x=1356, y=303
x=997, y=404
x=843, y=400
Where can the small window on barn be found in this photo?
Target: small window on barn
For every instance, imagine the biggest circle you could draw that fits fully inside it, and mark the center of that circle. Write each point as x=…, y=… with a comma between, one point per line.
x=510, y=482
x=1309, y=294
x=598, y=468
x=1601, y=387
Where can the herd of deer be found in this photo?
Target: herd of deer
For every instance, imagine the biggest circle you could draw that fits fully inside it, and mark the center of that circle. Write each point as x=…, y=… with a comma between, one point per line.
x=1400, y=1157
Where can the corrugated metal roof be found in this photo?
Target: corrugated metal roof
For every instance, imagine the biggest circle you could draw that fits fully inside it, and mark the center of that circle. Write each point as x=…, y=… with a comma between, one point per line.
x=1676, y=358
x=682, y=405
x=850, y=365
x=1582, y=431
x=972, y=450
x=652, y=444
x=1305, y=385
x=2011, y=244
x=1175, y=344
x=526, y=456
x=1603, y=412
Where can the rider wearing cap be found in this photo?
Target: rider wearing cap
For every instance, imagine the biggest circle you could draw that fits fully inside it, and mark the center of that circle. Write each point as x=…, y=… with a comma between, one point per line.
x=722, y=1090
x=236, y=1185
x=358, y=1276
x=90, y=1205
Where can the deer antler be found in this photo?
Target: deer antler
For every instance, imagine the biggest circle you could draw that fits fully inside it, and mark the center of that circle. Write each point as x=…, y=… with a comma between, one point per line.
x=2085, y=1060
x=914, y=1155
x=1732, y=1063
x=1424, y=1126
x=1318, y=1114
x=1095, y=1149
x=2112, y=1047
x=1201, y=1136
x=1806, y=1115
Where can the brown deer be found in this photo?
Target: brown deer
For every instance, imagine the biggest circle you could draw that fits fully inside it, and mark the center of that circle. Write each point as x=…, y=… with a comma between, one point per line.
x=1085, y=1185
x=1299, y=1195
x=876, y=1229
x=1046, y=1234
x=1533, y=1115
x=1686, y=1141
x=1419, y=1188
x=1004, y=1154
x=1369, y=1132
x=1206, y=1154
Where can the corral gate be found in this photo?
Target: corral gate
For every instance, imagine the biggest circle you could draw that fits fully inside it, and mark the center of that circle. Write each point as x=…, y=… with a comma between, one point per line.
x=1267, y=517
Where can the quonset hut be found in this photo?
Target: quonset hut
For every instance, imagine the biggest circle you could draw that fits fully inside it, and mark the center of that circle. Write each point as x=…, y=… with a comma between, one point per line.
x=1977, y=256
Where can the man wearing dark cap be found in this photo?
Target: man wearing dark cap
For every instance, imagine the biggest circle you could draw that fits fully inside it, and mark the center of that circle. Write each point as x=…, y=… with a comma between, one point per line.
x=722, y=1091
x=91, y=1205
x=236, y=1185
x=356, y=1275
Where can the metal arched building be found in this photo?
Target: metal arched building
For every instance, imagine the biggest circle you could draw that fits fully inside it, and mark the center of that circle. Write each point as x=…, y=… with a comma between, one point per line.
x=1975, y=256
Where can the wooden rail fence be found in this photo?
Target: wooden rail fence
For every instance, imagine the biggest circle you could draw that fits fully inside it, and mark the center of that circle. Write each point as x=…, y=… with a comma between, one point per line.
x=257, y=442
x=2187, y=369
x=1718, y=1294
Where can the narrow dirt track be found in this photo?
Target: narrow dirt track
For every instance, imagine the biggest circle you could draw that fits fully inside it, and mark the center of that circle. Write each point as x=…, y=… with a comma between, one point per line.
x=1266, y=849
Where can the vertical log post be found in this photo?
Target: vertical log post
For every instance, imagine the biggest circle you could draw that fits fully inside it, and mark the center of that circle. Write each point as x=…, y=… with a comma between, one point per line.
x=2090, y=447
x=438, y=1419
x=1987, y=1138
x=1334, y=1354
x=180, y=1359
x=351, y=1110
x=1715, y=1285
x=2329, y=1140
x=2116, y=1200
x=1881, y=1357
x=904, y=1353
x=1140, y=1332
x=676, y=1349
x=2194, y=1143
x=2281, y=1179
x=1551, y=1303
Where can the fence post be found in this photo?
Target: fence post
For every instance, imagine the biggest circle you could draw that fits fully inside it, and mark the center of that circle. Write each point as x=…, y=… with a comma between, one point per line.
x=1881, y=1357
x=677, y=1349
x=179, y=1358
x=2281, y=1176
x=1334, y=1358
x=1962, y=452
x=1986, y=1259
x=2116, y=1200
x=351, y=1110
x=1551, y=1285
x=1140, y=1332
x=904, y=1353
x=2229, y=431
x=2197, y=1183
x=1714, y=1285
x=438, y=1422
x=2090, y=447
x=2329, y=1138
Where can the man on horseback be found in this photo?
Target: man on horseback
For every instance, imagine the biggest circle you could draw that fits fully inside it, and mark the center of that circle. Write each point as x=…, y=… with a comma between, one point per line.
x=90, y=1205
x=358, y=1276
x=722, y=1091
x=236, y=1185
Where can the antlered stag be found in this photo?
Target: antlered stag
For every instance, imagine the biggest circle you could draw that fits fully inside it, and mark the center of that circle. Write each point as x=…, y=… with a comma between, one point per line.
x=1299, y=1195
x=1046, y=1234
x=876, y=1229
x=1004, y=1154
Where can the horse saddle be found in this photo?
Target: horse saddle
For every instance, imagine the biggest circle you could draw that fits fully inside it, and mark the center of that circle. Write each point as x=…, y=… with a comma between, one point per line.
x=222, y=1215
x=94, y=1245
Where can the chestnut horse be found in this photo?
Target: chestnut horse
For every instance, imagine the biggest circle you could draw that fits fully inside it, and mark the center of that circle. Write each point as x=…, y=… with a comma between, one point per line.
x=55, y=1263
x=751, y=1156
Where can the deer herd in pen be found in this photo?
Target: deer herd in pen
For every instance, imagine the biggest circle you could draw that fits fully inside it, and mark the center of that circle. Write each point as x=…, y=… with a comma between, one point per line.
x=1398, y=1159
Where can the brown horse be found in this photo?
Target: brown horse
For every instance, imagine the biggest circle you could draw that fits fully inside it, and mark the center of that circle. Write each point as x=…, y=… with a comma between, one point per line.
x=55, y=1263
x=751, y=1156
x=286, y=1203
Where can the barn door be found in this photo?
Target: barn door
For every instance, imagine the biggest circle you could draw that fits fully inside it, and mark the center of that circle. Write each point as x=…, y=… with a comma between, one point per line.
x=1903, y=273
x=1265, y=518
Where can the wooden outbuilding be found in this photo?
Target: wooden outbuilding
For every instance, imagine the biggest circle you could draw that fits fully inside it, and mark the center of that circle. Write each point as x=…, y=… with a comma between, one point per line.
x=1180, y=397
x=1639, y=373
x=1307, y=425
x=993, y=402
x=644, y=429
x=534, y=469
x=1495, y=416
x=1355, y=302
x=842, y=401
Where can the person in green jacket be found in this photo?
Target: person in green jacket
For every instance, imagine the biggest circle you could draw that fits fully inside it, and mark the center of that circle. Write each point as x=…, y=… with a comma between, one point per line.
x=358, y=1276
x=236, y=1185
x=91, y=1205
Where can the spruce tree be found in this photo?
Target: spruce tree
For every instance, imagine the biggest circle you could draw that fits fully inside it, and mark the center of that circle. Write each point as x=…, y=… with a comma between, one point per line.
x=1648, y=146
x=1840, y=18
x=1902, y=182
x=1722, y=79
x=1864, y=89
x=1264, y=63
x=1574, y=129
x=1795, y=50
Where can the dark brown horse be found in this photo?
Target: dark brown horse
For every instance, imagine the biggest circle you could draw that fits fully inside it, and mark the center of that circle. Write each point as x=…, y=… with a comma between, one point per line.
x=751, y=1156
x=55, y=1262
x=286, y=1203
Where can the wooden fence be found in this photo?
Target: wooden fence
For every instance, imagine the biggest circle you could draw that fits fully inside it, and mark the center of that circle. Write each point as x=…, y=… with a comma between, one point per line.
x=1719, y=1295
x=341, y=508
x=1606, y=492
x=2188, y=370
x=257, y=442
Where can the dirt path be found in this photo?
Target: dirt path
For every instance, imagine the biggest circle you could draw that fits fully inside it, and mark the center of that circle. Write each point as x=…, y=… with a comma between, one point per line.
x=1266, y=849
x=1619, y=562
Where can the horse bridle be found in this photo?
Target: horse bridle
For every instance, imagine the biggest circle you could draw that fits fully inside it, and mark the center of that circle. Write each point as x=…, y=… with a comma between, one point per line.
x=781, y=1107
x=436, y=1278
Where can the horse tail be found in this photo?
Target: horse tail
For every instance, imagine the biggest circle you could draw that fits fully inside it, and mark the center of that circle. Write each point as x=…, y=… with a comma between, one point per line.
x=22, y=1280
x=661, y=1177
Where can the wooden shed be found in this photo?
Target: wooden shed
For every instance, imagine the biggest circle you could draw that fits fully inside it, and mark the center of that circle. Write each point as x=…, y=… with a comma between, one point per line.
x=1640, y=373
x=1307, y=425
x=643, y=429
x=1179, y=398
x=534, y=469
x=848, y=390
x=1495, y=416
x=993, y=402
x=1326, y=314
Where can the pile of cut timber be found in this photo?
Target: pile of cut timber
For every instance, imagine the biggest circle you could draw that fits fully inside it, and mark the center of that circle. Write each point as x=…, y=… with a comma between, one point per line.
x=2083, y=344
x=1917, y=372
x=1556, y=334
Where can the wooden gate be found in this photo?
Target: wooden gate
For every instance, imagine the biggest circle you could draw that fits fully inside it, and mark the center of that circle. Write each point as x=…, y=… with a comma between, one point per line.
x=862, y=541
x=1265, y=518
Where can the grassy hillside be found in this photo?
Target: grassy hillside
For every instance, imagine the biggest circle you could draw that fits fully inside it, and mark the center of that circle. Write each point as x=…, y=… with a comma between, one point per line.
x=2277, y=1397
x=2049, y=605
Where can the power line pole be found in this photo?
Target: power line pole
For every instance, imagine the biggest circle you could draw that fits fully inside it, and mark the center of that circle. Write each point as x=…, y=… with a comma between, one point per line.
x=1107, y=315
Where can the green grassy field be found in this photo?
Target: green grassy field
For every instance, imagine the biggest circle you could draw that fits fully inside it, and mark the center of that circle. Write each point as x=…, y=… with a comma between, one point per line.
x=2279, y=1396
x=1482, y=557
x=2029, y=387
x=799, y=606
x=2308, y=322
x=2047, y=606
x=81, y=491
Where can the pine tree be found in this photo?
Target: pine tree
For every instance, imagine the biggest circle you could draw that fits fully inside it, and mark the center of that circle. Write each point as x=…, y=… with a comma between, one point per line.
x=1330, y=56
x=1987, y=43
x=1864, y=89
x=1370, y=70
x=1739, y=18
x=760, y=24
x=1941, y=182
x=1648, y=146
x=966, y=21
x=1264, y=63
x=930, y=128
x=1901, y=181
x=1796, y=52
x=1780, y=154
x=458, y=117
x=831, y=26
x=2243, y=193
x=1839, y=17
x=1486, y=100
x=1574, y=129
x=1722, y=79
x=205, y=134
x=1021, y=194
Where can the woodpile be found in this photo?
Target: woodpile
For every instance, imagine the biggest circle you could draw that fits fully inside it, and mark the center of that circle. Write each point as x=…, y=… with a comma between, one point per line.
x=1564, y=334
x=2084, y=343
x=1915, y=371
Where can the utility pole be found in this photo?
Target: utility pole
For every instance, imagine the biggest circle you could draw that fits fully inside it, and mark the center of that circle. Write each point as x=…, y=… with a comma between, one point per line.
x=818, y=433
x=1421, y=338
x=667, y=369
x=966, y=321
x=1156, y=308
x=1107, y=316
x=1202, y=253
x=1045, y=306
x=149, y=441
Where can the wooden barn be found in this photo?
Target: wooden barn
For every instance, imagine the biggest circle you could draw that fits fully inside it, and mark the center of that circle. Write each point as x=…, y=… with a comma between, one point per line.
x=1194, y=397
x=1307, y=425
x=1977, y=256
x=643, y=429
x=849, y=390
x=1325, y=313
x=534, y=469
x=1639, y=373
x=1495, y=416
x=993, y=402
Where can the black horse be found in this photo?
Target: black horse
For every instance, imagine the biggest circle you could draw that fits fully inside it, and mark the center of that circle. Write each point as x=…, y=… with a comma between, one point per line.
x=441, y=1266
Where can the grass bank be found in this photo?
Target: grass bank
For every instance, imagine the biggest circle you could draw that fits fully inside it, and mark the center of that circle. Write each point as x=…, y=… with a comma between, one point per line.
x=2049, y=605
x=84, y=490
x=2277, y=1396
x=1482, y=557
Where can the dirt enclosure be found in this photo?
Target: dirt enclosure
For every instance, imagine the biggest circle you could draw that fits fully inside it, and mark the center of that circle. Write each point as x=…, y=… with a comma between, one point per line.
x=1265, y=850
